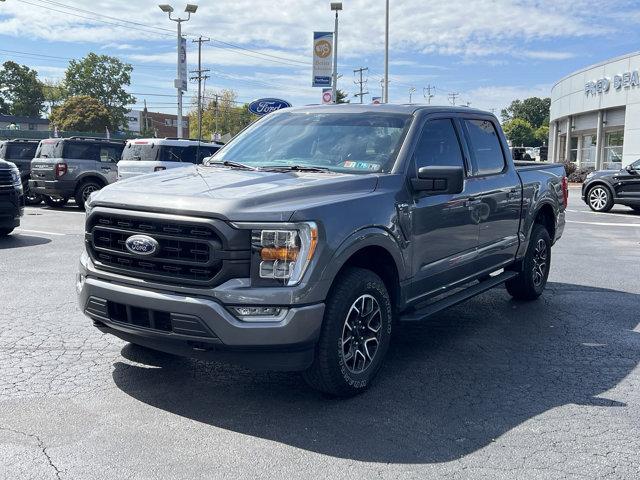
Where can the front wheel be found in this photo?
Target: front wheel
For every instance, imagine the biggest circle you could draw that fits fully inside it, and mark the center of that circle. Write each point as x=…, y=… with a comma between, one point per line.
x=599, y=199
x=636, y=209
x=355, y=335
x=84, y=192
x=56, y=202
x=534, y=267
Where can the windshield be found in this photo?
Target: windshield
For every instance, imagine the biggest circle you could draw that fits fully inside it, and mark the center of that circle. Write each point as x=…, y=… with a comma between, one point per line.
x=345, y=142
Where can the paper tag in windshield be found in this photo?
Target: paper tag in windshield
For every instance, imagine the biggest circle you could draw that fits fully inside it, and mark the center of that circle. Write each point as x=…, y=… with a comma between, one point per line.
x=362, y=165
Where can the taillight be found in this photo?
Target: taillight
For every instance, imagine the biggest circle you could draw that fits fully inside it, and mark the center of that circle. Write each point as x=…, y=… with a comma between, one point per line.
x=61, y=169
x=565, y=192
x=159, y=169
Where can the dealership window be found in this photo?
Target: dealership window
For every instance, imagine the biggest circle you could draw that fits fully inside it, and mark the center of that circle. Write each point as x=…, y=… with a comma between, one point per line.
x=588, y=151
x=562, y=147
x=613, y=150
x=574, y=150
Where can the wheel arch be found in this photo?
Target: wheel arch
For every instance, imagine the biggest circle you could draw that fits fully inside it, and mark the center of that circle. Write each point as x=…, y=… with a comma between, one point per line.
x=599, y=183
x=90, y=177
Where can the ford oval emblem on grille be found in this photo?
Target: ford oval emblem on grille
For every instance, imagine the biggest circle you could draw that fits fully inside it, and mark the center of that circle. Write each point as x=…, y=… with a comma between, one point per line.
x=142, y=245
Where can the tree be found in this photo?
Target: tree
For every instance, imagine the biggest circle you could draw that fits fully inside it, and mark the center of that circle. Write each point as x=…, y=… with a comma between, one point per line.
x=341, y=97
x=20, y=90
x=103, y=78
x=220, y=114
x=81, y=113
x=519, y=132
x=541, y=135
x=534, y=110
x=55, y=92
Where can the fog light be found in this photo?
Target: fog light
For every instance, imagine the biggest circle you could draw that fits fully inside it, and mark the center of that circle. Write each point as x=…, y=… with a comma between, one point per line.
x=80, y=279
x=259, y=314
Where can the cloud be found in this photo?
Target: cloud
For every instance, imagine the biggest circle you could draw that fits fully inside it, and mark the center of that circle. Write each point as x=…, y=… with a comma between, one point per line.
x=547, y=55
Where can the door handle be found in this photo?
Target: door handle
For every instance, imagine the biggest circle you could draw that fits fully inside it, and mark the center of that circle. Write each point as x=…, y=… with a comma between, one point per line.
x=107, y=169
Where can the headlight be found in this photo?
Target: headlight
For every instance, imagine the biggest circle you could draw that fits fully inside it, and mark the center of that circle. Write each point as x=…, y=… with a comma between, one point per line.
x=281, y=255
x=89, y=204
x=15, y=178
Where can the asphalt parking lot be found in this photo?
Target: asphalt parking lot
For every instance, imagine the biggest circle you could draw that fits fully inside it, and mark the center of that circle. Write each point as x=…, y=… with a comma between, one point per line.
x=490, y=389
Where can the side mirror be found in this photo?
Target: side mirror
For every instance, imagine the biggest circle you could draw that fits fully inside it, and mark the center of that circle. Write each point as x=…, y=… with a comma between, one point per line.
x=630, y=169
x=439, y=180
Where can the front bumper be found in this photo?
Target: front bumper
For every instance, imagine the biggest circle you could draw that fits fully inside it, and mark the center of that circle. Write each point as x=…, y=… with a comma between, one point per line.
x=199, y=327
x=53, y=188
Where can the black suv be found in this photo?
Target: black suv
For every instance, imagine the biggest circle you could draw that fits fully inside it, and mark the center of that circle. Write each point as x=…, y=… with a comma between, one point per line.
x=11, y=202
x=21, y=151
x=603, y=189
x=74, y=167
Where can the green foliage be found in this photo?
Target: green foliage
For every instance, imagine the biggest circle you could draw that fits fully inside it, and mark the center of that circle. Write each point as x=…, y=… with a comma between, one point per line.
x=103, y=78
x=55, y=92
x=541, y=135
x=534, y=110
x=341, y=97
x=81, y=113
x=220, y=113
x=519, y=132
x=20, y=91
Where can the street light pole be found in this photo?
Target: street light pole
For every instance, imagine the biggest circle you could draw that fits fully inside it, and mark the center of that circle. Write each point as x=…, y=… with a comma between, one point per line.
x=386, y=55
x=191, y=8
x=335, y=6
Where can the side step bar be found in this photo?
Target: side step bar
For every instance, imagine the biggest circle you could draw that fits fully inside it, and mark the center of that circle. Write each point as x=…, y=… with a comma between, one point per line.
x=455, y=298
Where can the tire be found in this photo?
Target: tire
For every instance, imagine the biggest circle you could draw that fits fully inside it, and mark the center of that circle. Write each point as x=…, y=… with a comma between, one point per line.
x=344, y=364
x=56, y=202
x=33, y=198
x=5, y=232
x=636, y=209
x=599, y=198
x=85, y=189
x=534, y=268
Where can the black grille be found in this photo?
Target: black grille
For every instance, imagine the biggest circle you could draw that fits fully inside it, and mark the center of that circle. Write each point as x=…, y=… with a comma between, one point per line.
x=5, y=178
x=189, y=252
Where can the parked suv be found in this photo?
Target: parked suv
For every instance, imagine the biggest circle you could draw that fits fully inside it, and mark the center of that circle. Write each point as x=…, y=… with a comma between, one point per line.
x=20, y=152
x=301, y=242
x=73, y=167
x=156, y=154
x=11, y=200
x=603, y=189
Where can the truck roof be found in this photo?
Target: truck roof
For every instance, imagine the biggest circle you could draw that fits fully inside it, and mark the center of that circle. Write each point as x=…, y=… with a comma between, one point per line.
x=407, y=109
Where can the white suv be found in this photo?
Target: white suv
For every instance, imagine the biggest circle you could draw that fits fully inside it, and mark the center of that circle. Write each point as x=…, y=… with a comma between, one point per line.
x=148, y=155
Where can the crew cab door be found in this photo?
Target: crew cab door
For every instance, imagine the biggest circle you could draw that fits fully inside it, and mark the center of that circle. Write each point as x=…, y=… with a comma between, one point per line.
x=498, y=195
x=444, y=230
x=627, y=182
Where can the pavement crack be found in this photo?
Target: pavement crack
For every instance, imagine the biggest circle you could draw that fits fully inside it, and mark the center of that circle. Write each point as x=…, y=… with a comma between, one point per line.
x=41, y=446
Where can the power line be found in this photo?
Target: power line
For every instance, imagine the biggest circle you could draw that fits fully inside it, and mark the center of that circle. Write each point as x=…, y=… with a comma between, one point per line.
x=200, y=77
x=426, y=93
x=362, y=82
x=452, y=97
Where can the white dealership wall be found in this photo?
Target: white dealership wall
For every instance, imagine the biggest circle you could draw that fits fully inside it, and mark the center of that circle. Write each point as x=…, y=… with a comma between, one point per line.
x=595, y=100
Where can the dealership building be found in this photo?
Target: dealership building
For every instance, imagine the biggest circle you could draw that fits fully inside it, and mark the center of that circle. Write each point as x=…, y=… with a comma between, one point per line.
x=595, y=115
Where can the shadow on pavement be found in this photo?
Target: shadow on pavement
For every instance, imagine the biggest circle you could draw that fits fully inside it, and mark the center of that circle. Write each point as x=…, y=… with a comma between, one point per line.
x=450, y=386
x=18, y=240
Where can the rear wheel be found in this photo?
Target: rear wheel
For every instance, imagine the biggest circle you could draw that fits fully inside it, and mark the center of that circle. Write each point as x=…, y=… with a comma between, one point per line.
x=599, y=199
x=32, y=198
x=355, y=335
x=5, y=231
x=57, y=202
x=636, y=209
x=534, y=267
x=85, y=190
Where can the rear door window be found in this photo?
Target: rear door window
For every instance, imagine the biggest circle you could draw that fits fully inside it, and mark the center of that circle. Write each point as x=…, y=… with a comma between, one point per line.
x=172, y=153
x=20, y=151
x=485, y=146
x=110, y=153
x=82, y=151
x=206, y=152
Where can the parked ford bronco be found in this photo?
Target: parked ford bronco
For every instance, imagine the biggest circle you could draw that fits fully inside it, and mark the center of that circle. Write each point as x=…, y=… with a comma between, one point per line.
x=73, y=167
x=303, y=241
x=11, y=198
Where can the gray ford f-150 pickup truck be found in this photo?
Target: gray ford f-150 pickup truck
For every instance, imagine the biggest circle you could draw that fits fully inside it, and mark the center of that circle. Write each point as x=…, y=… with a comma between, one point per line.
x=302, y=242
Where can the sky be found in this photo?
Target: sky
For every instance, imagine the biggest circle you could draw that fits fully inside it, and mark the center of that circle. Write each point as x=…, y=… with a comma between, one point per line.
x=489, y=52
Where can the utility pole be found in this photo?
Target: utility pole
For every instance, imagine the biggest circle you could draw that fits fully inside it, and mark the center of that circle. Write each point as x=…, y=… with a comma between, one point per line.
x=452, y=97
x=335, y=6
x=200, y=77
x=426, y=93
x=362, y=82
x=411, y=92
x=385, y=96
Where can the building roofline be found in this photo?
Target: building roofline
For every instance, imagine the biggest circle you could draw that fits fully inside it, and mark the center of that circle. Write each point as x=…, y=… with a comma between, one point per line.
x=596, y=65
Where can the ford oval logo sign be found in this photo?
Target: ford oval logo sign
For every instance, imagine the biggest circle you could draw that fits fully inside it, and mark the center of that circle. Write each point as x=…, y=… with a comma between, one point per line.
x=267, y=105
x=142, y=245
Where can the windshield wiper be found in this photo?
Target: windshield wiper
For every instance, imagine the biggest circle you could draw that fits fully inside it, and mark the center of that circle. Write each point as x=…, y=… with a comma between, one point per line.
x=296, y=168
x=230, y=163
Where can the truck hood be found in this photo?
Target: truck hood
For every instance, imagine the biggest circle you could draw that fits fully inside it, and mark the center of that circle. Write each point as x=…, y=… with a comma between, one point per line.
x=233, y=194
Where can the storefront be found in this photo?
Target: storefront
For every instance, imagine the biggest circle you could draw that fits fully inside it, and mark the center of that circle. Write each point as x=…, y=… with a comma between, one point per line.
x=595, y=115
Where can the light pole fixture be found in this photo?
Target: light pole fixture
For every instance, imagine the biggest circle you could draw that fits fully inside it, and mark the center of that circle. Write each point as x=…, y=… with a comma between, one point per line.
x=385, y=96
x=178, y=82
x=335, y=7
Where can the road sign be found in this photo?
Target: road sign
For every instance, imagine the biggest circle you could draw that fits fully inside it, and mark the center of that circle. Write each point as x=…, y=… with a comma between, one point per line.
x=327, y=95
x=376, y=100
x=322, y=59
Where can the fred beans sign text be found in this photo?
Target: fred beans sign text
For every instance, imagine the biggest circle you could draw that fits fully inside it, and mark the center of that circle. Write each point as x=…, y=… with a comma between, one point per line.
x=624, y=80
